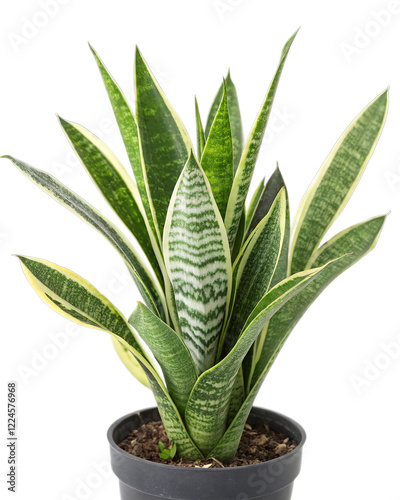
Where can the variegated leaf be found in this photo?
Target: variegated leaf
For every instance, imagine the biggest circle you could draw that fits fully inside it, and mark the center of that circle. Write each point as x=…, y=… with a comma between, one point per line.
x=254, y=202
x=254, y=271
x=164, y=141
x=129, y=132
x=356, y=242
x=198, y=262
x=114, y=184
x=336, y=181
x=248, y=159
x=148, y=287
x=201, y=141
x=208, y=405
x=75, y=296
x=170, y=352
x=217, y=157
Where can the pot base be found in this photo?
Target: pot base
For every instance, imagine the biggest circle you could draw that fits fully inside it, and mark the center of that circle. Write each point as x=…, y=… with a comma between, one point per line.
x=145, y=480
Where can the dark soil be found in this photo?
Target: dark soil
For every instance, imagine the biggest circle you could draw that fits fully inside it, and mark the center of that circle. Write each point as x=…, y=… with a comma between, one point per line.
x=257, y=445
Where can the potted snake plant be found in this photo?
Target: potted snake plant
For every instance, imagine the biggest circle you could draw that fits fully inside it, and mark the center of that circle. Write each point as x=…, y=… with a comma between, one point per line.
x=224, y=283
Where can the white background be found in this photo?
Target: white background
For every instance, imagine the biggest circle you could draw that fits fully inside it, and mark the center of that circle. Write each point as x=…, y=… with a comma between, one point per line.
x=334, y=69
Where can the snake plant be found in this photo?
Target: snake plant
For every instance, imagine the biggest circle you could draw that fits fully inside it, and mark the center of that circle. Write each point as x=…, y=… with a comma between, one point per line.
x=224, y=283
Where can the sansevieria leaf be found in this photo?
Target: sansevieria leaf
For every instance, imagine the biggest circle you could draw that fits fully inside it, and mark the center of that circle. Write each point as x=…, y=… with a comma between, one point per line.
x=76, y=296
x=336, y=181
x=114, y=184
x=208, y=405
x=201, y=141
x=353, y=242
x=197, y=258
x=217, y=157
x=170, y=352
x=148, y=287
x=129, y=133
x=249, y=156
x=255, y=270
x=164, y=141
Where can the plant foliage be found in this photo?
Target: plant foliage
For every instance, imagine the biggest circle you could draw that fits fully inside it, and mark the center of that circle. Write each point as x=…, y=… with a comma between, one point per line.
x=223, y=285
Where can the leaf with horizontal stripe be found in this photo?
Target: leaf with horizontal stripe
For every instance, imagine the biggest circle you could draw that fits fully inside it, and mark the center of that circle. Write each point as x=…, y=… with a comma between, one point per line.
x=170, y=352
x=217, y=157
x=147, y=285
x=114, y=183
x=336, y=180
x=197, y=258
x=213, y=110
x=129, y=133
x=164, y=141
x=208, y=405
x=77, y=296
x=248, y=159
x=236, y=121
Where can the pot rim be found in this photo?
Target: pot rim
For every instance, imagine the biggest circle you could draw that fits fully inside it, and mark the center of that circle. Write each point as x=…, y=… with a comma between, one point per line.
x=278, y=415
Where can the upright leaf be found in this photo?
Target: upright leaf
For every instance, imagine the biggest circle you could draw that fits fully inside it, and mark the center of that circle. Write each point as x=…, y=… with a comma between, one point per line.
x=236, y=121
x=170, y=352
x=129, y=132
x=270, y=192
x=254, y=272
x=208, y=405
x=254, y=202
x=248, y=159
x=217, y=159
x=213, y=110
x=164, y=141
x=114, y=184
x=198, y=262
x=201, y=141
x=148, y=287
x=336, y=181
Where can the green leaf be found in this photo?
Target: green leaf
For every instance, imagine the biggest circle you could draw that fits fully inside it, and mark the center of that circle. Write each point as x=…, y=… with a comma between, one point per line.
x=236, y=121
x=164, y=140
x=76, y=296
x=248, y=159
x=270, y=192
x=129, y=133
x=170, y=352
x=114, y=184
x=254, y=202
x=148, y=287
x=239, y=237
x=208, y=405
x=356, y=242
x=217, y=159
x=198, y=262
x=255, y=270
x=172, y=452
x=201, y=141
x=335, y=182
x=161, y=445
x=213, y=110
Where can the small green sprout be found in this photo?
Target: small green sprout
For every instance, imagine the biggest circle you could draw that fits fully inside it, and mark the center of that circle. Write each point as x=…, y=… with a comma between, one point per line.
x=167, y=453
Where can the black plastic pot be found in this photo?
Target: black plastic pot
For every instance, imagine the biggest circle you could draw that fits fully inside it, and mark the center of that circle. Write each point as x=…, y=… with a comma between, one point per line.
x=144, y=480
